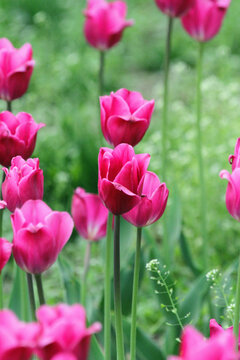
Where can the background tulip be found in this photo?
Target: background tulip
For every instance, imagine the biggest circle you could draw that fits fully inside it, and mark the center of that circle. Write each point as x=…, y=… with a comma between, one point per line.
x=5, y=252
x=174, y=8
x=24, y=181
x=16, y=67
x=204, y=20
x=89, y=215
x=18, y=136
x=233, y=192
x=119, y=174
x=39, y=234
x=105, y=22
x=125, y=117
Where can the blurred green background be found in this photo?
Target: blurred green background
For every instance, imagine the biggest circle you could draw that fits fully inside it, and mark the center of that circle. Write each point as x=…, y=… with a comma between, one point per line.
x=63, y=93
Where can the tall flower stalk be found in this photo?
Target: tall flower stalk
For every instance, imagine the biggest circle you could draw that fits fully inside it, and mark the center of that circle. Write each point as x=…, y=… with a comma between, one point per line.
x=38, y=278
x=85, y=272
x=101, y=72
x=31, y=295
x=237, y=307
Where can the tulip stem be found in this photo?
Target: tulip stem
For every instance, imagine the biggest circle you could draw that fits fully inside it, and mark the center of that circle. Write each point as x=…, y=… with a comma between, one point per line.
x=200, y=157
x=101, y=73
x=23, y=295
x=1, y=221
x=1, y=292
x=85, y=272
x=38, y=278
x=237, y=307
x=134, y=295
x=107, y=289
x=117, y=291
x=9, y=106
x=31, y=295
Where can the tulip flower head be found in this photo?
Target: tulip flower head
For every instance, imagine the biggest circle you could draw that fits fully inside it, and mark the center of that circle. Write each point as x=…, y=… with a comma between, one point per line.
x=174, y=8
x=105, y=23
x=89, y=215
x=5, y=252
x=204, y=20
x=24, y=181
x=18, y=136
x=233, y=192
x=125, y=117
x=39, y=234
x=234, y=160
x=216, y=329
x=119, y=174
x=64, y=331
x=16, y=67
x=153, y=201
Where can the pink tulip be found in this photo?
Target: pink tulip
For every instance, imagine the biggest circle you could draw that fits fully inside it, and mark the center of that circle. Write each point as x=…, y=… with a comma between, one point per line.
x=39, y=234
x=125, y=117
x=24, y=181
x=3, y=204
x=64, y=356
x=17, y=339
x=16, y=67
x=89, y=215
x=5, y=252
x=119, y=174
x=105, y=22
x=204, y=20
x=64, y=330
x=195, y=346
x=233, y=192
x=18, y=136
x=216, y=329
x=153, y=201
x=234, y=160
x=174, y=8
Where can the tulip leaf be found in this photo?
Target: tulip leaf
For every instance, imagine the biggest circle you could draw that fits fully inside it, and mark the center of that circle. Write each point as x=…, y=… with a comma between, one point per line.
x=95, y=350
x=187, y=256
x=70, y=281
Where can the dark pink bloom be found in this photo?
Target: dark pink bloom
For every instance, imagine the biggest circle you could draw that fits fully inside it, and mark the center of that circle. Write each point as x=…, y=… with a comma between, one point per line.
x=17, y=339
x=174, y=8
x=89, y=215
x=64, y=331
x=125, y=117
x=39, y=234
x=24, y=181
x=18, y=136
x=16, y=67
x=216, y=329
x=204, y=20
x=119, y=174
x=64, y=356
x=233, y=192
x=195, y=346
x=105, y=22
x=5, y=252
x=234, y=160
x=153, y=201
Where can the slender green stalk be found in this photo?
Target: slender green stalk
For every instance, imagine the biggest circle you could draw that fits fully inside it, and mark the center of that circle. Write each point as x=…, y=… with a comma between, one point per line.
x=9, y=106
x=101, y=72
x=107, y=289
x=1, y=223
x=23, y=295
x=203, y=209
x=38, y=278
x=237, y=307
x=31, y=295
x=134, y=295
x=117, y=291
x=85, y=272
x=1, y=292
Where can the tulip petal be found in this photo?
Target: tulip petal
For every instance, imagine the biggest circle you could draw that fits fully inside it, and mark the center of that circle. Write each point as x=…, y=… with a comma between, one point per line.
x=35, y=211
x=61, y=226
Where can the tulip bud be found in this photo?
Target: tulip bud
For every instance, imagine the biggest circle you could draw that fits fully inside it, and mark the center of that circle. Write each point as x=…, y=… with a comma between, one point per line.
x=174, y=8
x=5, y=252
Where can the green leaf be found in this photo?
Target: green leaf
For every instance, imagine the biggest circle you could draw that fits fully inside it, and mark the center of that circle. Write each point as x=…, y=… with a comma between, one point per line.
x=95, y=350
x=70, y=281
x=187, y=256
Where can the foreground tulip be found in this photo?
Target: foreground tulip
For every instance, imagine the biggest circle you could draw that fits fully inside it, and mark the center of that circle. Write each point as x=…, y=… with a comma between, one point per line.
x=24, y=181
x=39, y=234
x=18, y=136
x=174, y=8
x=64, y=356
x=195, y=346
x=125, y=117
x=89, y=215
x=5, y=252
x=234, y=160
x=105, y=23
x=153, y=201
x=204, y=20
x=119, y=174
x=17, y=339
x=233, y=192
x=64, y=331
x=16, y=67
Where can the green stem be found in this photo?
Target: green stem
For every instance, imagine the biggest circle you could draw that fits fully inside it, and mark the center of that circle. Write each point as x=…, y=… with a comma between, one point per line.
x=85, y=272
x=23, y=294
x=237, y=307
x=203, y=209
x=31, y=295
x=1, y=223
x=101, y=73
x=38, y=278
x=134, y=295
x=9, y=106
x=1, y=292
x=107, y=289
x=117, y=291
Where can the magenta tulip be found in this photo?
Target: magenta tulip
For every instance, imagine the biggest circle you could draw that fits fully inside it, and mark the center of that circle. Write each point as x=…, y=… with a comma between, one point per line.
x=39, y=234
x=16, y=67
x=18, y=136
x=5, y=252
x=233, y=192
x=24, y=181
x=153, y=201
x=105, y=23
x=204, y=20
x=89, y=215
x=234, y=160
x=119, y=174
x=64, y=331
x=17, y=339
x=174, y=8
x=3, y=204
x=125, y=117
x=64, y=356
x=216, y=329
